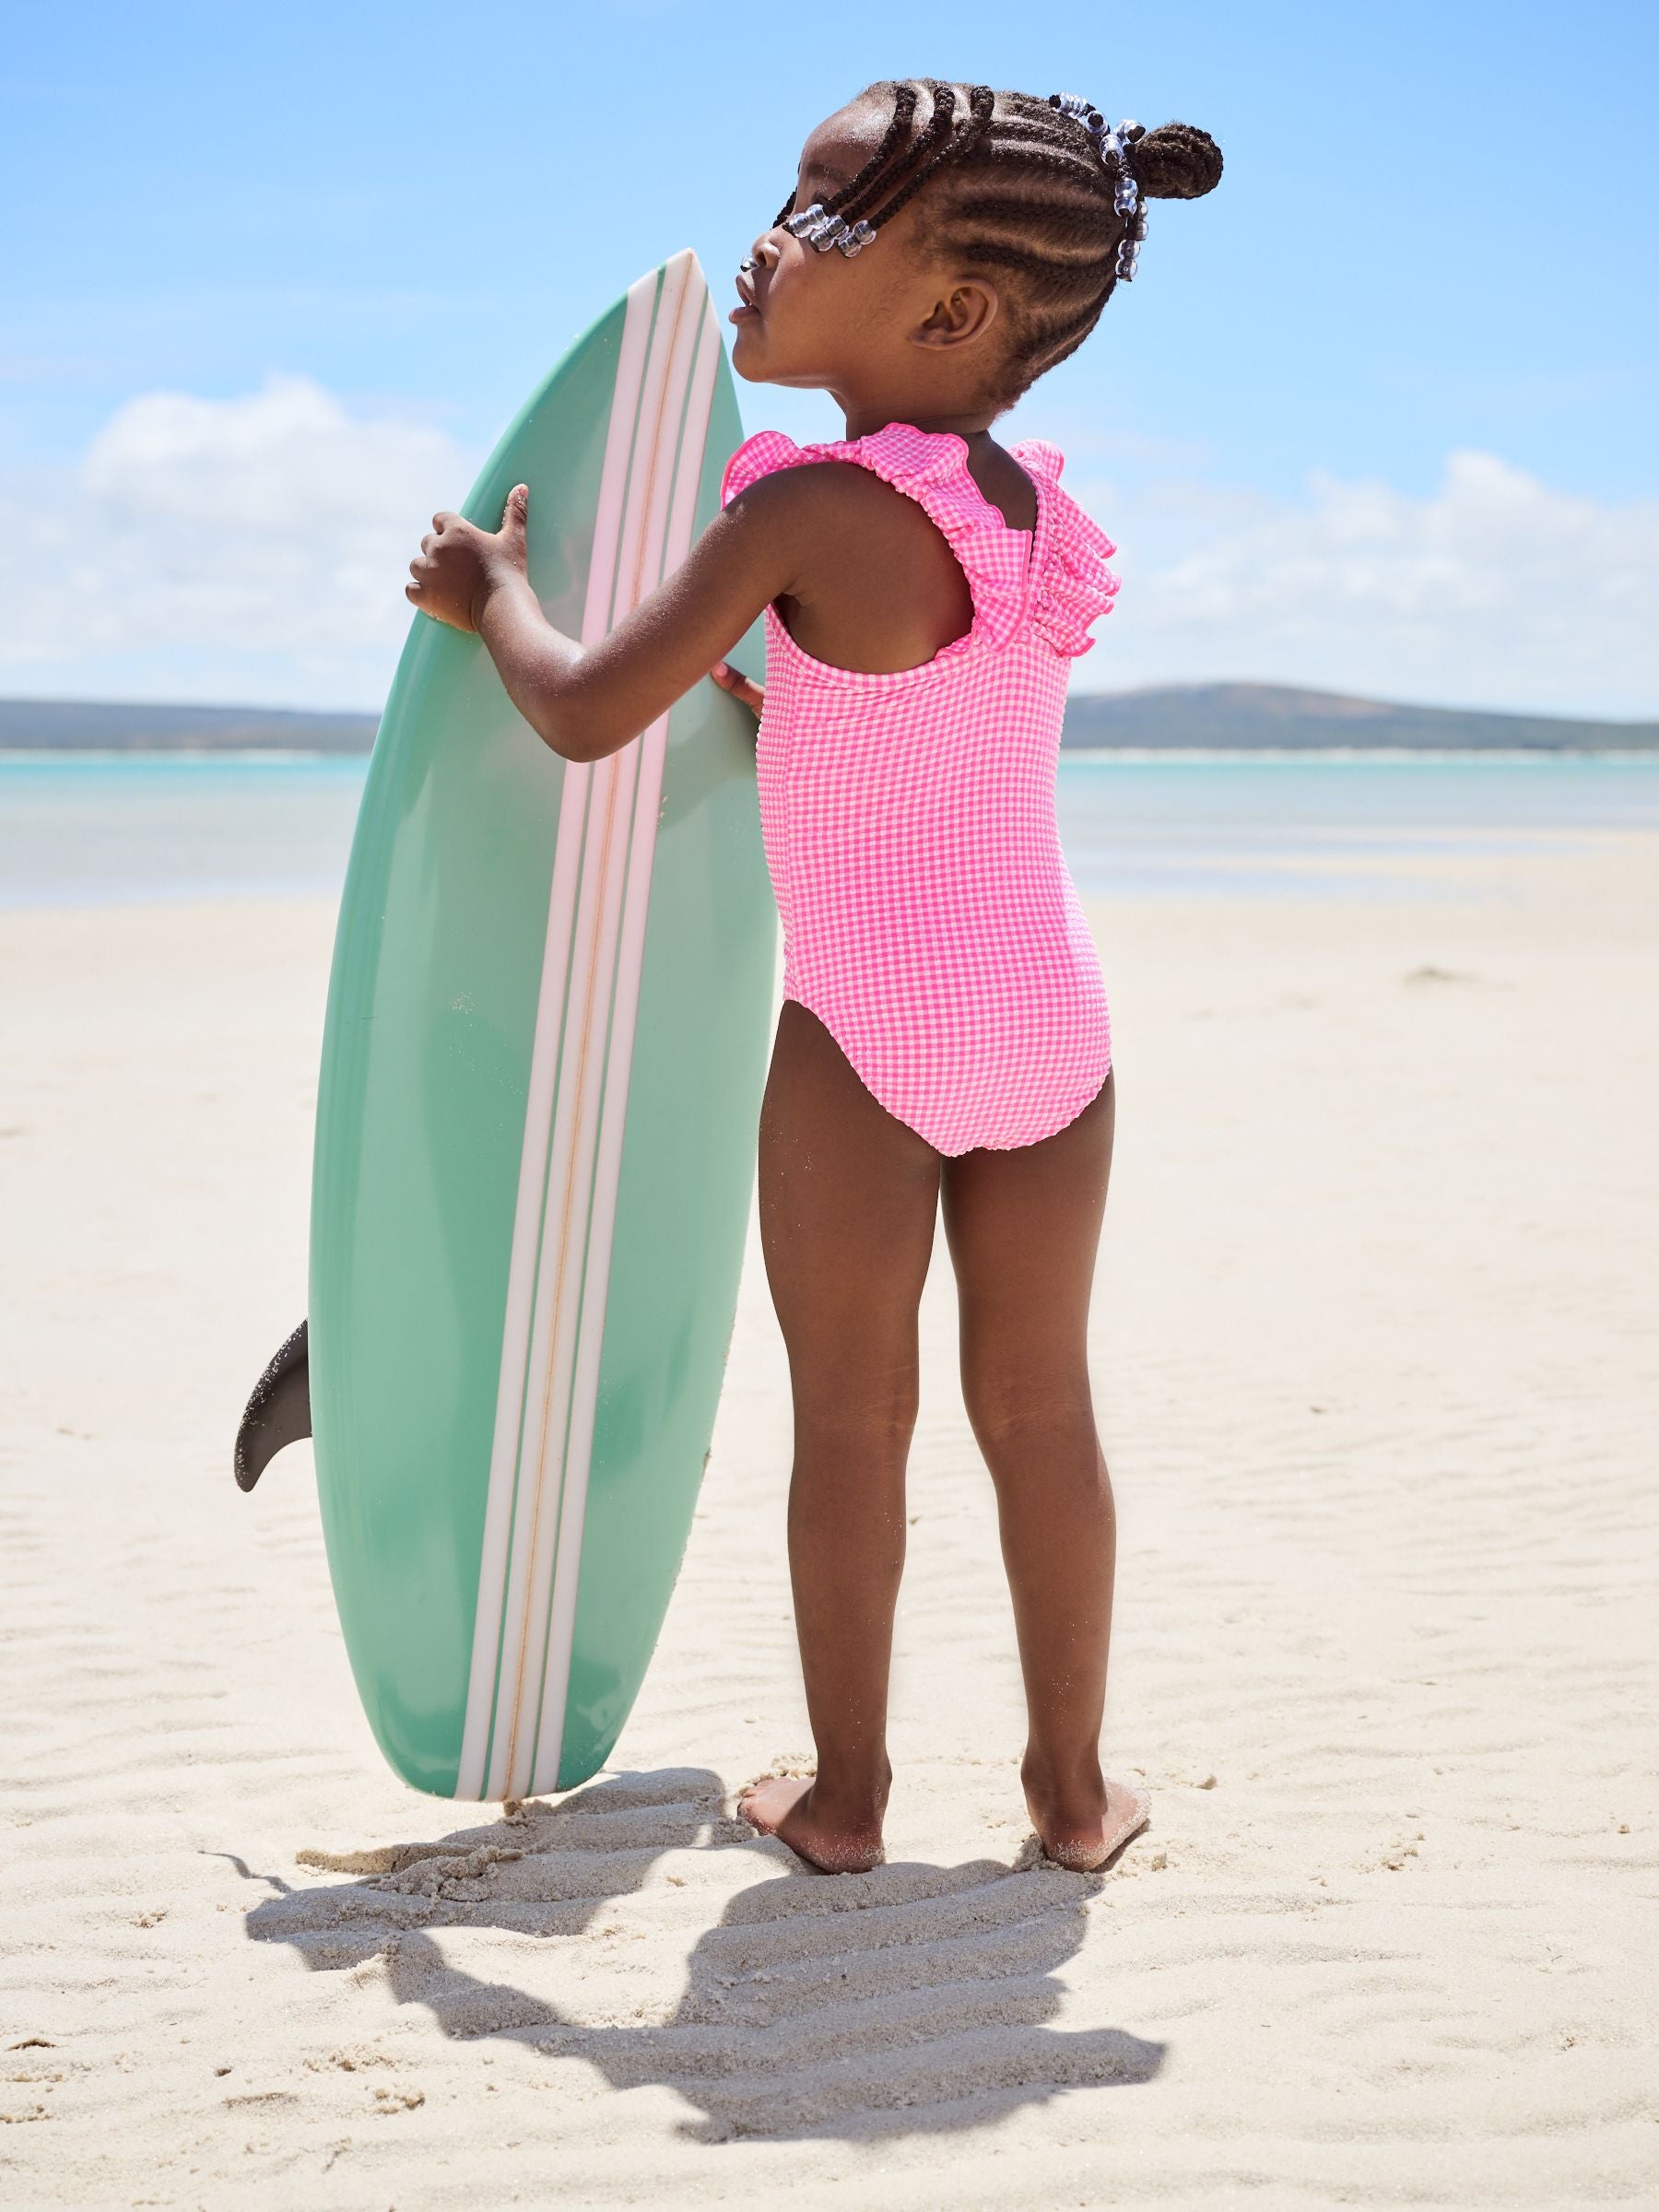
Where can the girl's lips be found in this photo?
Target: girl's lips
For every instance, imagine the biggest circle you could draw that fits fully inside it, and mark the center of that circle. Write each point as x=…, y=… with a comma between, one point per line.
x=745, y=311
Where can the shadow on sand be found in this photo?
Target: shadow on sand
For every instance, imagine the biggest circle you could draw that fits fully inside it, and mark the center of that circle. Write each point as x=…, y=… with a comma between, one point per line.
x=910, y=1999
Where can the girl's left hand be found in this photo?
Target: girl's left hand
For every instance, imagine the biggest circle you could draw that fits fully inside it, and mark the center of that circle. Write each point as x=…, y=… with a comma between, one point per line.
x=459, y=565
x=742, y=687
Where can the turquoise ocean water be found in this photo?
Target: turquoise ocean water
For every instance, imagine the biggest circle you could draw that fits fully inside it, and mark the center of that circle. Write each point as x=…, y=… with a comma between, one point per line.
x=87, y=828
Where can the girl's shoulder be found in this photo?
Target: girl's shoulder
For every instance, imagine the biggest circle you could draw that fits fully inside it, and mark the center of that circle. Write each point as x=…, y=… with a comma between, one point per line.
x=926, y=464
x=1071, y=585
x=762, y=456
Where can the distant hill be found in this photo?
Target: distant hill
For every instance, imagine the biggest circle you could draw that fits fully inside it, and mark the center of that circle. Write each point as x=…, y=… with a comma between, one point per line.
x=81, y=725
x=1258, y=717
x=1239, y=717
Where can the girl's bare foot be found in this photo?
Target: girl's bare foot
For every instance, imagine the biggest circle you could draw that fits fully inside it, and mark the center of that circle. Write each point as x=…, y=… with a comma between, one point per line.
x=783, y=1806
x=1083, y=1824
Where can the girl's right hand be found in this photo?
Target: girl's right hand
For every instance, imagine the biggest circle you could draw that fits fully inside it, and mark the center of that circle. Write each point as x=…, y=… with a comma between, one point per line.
x=742, y=688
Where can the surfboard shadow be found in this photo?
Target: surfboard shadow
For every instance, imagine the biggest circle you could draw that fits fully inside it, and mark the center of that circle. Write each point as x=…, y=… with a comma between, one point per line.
x=916, y=1999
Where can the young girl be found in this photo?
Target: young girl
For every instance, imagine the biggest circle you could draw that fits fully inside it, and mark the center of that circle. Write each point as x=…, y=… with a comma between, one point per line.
x=943, y=1042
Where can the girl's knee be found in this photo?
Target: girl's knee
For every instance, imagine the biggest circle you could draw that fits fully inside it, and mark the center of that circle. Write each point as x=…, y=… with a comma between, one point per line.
x=873, y=1421
x=1008, y=1404
x=869, y=1415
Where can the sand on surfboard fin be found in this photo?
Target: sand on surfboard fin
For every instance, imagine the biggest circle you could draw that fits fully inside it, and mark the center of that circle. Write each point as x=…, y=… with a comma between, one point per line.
x=278, y=1411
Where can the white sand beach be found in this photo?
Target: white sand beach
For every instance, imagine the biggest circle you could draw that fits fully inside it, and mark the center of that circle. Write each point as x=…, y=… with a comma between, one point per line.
x=1375, y=1356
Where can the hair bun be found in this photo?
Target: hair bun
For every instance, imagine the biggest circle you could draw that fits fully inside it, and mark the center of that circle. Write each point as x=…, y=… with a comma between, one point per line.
x=1177, y=161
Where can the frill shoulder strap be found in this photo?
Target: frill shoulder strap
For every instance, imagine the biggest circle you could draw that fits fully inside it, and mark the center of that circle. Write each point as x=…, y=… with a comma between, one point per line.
x=757, y=457
x=1074, y=587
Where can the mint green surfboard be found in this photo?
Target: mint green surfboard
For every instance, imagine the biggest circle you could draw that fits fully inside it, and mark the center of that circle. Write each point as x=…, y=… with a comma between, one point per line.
x=547, y=1027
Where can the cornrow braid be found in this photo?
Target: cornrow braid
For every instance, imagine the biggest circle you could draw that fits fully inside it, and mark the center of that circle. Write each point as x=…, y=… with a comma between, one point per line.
x=851, y=194
x=1023, y=187
x=948, y=145
x=830, y=218
x=904, y=107
x=938, y=144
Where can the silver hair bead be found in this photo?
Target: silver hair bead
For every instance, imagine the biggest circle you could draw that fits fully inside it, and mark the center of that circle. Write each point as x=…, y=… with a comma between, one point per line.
x=1130, y=245
x=821, y=229
x=1112, y=145
x=1087, y=113
x=1125, y=195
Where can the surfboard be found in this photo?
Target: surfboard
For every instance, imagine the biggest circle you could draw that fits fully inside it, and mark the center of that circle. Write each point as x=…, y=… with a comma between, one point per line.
x=547, y=1034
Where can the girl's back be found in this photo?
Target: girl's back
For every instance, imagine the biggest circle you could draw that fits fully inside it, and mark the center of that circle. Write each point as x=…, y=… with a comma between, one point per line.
x=929, y=919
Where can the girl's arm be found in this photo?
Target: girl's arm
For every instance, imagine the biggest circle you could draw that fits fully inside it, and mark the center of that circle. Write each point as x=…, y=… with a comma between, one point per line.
x=588, y=700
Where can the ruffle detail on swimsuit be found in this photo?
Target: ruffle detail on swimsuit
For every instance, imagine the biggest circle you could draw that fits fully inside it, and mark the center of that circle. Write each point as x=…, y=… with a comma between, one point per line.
x=1072, y=584
x=1075, y=588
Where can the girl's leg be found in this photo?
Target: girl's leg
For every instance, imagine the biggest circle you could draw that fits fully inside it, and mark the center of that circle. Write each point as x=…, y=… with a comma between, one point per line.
x=1023, y=1228
x=849, y=1196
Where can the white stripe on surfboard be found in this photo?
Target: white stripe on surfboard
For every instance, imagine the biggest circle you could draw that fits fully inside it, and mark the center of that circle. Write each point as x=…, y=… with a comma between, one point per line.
x=542, y=1331
x=607, y=527
x=676, y=545
x=543, y=1463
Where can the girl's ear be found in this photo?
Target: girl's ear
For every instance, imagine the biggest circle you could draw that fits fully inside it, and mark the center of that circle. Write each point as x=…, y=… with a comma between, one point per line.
x=963, y=313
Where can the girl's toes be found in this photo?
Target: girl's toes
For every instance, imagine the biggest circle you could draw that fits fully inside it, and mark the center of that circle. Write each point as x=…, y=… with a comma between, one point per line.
x=767, y=1803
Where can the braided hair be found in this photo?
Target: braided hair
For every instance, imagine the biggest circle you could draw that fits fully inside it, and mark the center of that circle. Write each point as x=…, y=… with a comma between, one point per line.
x=1020, y=186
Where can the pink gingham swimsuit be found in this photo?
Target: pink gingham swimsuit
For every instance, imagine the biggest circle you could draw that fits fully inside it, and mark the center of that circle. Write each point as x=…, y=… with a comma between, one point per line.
x=929, y=918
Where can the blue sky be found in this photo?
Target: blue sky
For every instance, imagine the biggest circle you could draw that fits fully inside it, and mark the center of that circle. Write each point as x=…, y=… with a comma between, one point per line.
x=1377, y=414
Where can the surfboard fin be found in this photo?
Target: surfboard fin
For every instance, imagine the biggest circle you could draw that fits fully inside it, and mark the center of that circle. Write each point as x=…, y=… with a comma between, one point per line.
x=278, y=1412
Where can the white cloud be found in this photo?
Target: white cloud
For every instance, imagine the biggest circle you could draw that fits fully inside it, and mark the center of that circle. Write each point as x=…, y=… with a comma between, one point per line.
x=1495, y=589
x=255, y=549
x=252, y=549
